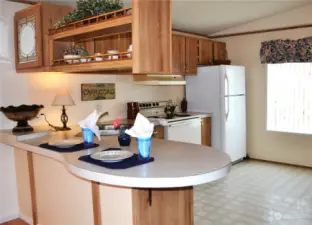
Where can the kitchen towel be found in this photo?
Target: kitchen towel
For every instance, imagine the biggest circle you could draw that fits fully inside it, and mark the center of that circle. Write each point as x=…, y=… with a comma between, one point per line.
x=125, y=164
x=75, y=148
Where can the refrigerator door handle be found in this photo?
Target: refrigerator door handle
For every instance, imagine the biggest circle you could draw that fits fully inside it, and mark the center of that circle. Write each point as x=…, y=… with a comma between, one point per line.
x=227, y=107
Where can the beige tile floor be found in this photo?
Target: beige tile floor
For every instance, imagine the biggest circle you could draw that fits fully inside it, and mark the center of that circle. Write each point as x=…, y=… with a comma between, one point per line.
x=257, y=193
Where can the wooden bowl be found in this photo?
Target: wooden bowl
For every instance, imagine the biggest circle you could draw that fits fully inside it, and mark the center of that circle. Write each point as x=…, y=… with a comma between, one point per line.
x=21, y=114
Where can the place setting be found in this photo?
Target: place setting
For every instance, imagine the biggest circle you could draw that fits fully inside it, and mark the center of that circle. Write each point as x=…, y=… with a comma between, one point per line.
x=122, y=158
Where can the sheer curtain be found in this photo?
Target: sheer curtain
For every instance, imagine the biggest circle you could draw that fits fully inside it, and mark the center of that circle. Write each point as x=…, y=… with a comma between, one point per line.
x=289, y=97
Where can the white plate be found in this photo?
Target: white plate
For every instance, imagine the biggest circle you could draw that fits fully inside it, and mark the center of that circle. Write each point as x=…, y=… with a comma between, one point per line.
x=112, y=156
x=65, y=143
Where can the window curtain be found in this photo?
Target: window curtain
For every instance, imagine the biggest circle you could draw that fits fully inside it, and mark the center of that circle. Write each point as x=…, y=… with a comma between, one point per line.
x=286, y=51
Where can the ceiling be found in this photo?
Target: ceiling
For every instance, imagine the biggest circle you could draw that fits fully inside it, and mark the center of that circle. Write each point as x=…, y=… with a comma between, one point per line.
x=211, y=16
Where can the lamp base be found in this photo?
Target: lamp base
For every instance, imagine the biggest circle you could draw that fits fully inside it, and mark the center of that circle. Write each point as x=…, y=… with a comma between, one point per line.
x=63, y=129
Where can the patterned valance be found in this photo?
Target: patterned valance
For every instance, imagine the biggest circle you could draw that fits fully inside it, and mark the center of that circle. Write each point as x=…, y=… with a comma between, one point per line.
x=285, y=51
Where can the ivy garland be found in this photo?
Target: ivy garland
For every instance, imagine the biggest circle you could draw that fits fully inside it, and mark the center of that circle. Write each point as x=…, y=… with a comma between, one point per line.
x=89, y=8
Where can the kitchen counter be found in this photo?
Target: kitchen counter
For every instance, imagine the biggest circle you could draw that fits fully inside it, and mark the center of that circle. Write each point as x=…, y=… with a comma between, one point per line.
x=176, y=164
x=144, y=193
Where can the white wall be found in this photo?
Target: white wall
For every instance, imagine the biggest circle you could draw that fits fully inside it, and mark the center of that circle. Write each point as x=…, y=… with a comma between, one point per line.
x=12, y=90
x=297, y=16
x=244, y=50
x=40, y=88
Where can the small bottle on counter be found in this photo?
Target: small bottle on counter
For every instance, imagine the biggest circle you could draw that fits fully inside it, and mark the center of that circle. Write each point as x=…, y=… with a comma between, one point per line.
x=184, y=105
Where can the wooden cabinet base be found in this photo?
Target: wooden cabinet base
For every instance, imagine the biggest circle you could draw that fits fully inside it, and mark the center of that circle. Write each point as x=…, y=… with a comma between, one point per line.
x=49, y=194
x=163, y=206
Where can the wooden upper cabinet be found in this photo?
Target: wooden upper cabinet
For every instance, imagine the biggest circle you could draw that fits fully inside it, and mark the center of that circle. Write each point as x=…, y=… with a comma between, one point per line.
x=205, y=54
x=219, y=51
x=191, y=55
x=178, y=54
x=206, y=131
x=28, y=38
x=31, y=27
x=152, y=37
x=184, y=55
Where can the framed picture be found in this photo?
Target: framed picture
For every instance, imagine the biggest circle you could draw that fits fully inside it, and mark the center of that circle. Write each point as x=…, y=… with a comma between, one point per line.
x=99, y=91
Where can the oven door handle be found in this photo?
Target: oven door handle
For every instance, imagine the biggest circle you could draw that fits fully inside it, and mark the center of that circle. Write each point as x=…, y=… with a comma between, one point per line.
x=176, y=124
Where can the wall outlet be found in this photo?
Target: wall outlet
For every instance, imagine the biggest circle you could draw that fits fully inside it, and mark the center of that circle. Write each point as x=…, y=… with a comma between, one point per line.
x=98, y=107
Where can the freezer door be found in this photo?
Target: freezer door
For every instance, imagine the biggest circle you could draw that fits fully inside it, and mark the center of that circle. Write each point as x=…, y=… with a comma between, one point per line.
x=202, y=91
x=232, y=80
x=233, y=127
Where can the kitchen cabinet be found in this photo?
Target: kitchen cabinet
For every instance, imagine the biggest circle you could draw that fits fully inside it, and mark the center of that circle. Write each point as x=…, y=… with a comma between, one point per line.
x=159, y=132
x=184, y=55
x=219, y=51
x=178, y=54
x=174, y=205
x=31, y=26
x=206, y=131
x=152, y=37
x=205, y=52
x=191, y=54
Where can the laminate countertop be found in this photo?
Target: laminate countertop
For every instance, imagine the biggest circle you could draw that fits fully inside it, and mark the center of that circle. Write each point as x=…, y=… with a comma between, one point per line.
x=176, y=164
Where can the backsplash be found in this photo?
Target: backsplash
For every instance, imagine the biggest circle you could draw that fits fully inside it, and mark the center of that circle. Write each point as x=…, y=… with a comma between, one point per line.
x=43, y=87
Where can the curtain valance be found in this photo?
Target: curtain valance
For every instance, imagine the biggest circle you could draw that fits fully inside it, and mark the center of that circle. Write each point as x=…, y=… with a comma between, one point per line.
x=285, y=51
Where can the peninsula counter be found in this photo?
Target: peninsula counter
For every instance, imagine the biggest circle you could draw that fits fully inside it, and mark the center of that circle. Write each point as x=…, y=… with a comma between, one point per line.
x=58, y=189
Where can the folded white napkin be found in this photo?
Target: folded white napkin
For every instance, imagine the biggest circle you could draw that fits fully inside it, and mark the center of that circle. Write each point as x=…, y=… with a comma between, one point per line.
x=142, y=127
x=90, y=122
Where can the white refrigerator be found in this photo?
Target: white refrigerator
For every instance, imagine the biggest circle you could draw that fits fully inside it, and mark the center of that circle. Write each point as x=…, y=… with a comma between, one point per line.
x=221, y=90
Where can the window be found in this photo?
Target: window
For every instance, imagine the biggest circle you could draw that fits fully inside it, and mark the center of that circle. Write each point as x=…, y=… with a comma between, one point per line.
x=289, y=97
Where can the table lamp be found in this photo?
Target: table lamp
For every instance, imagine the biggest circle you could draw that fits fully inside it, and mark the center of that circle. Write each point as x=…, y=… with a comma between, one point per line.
x=63, y=99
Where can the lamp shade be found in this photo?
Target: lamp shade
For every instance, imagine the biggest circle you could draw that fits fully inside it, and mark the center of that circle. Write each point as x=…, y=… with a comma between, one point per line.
x=63, y=98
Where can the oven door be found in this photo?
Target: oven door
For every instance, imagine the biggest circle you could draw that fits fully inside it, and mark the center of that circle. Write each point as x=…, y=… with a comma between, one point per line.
x=188, y=131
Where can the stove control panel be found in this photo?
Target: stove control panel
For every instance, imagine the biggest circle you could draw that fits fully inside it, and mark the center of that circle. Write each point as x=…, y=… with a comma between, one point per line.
x=150, y=105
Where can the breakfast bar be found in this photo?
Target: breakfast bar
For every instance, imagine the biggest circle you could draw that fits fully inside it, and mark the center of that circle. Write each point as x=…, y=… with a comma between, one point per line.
x=58, y=189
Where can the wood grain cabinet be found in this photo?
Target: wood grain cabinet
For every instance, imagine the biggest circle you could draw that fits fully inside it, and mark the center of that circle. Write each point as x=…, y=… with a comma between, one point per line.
x=205, y=52
x=159, y=132
x=191, y=55
x=219, y=51
x=206, y=131
x=178, y=54
x=184, y=55
x=31, y=27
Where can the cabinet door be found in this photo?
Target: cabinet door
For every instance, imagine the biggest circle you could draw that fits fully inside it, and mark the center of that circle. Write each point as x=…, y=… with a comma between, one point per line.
x=28, y=38
x=206, y=131
x=191, y=55
x=178, y=54
x=219, y=51
x=205, y=52
x=159, y=132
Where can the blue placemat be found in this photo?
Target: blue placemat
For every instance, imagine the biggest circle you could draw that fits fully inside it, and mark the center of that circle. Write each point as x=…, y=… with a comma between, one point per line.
x=76, y=148
x=125, y=164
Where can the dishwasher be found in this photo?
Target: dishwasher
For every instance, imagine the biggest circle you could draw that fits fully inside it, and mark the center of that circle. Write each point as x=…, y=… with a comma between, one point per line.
x=186, y=130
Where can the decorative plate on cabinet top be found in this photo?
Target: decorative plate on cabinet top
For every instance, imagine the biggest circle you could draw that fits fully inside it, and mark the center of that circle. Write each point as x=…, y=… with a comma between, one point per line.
x=112, y=156
x=65, y=143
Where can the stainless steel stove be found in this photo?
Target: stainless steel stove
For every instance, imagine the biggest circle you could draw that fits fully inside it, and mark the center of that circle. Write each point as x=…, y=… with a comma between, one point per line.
x=183, y=127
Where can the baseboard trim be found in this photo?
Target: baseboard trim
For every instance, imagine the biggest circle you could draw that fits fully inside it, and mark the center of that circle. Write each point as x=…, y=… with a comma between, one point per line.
x=26, y=219
x=7, y=218
x=280, y=163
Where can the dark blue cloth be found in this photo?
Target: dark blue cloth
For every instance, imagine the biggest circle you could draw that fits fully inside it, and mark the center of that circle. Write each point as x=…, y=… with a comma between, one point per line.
x=125, y=164
x=75, y=148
